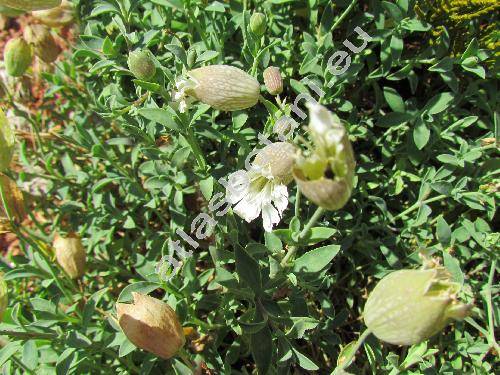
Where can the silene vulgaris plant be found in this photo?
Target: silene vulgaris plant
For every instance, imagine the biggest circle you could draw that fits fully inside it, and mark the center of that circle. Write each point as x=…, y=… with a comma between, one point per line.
x=248, y=187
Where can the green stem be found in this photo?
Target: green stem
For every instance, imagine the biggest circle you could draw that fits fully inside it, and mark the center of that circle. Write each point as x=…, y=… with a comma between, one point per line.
x=195, y=146
x=297, y=202
x=22, y=365
x=185, y=358
x=293, y=249
x=30, y=335
x=489, y=304
x=344, y=14
x=417, y=205
x=347, y=361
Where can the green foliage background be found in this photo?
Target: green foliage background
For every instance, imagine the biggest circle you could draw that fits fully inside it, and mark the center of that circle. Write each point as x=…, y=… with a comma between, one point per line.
x=127, y=171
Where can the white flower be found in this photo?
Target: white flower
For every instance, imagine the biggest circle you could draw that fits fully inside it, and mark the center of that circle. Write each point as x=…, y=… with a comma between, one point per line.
x=257, y=192
x=326, y=131
x=262, y=189
x=181, y=100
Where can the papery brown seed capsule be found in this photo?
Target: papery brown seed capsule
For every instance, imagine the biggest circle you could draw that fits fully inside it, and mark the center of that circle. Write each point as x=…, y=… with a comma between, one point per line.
x=30, y=4
x=17, y=57
x=409, y=306
x=273, y=80
x=142, y=65
x=152, y=325
x=70, y=254
x=7, y=142
x=43, y=42
x=280, y=158
x=14, y=200
x=224, y=87
x=62, y=15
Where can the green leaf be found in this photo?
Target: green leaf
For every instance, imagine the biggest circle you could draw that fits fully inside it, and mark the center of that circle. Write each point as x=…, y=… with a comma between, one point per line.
x=421, y=134
x=316, y=260
x=261, y=345
x=160, y=116
x=394, y=100
x=304, y=362
x=248, y=269
x=143, y=287
x=443, y=231
x=439, y=103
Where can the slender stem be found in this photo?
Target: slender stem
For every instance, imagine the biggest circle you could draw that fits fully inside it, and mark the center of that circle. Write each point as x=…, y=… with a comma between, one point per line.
x=30, y=335
x=195, y=146
x=347, y=361
x=489, y=304
x=293, y=249
x=297, y=202
x=22, y=365
x=417, y=205
x=344, y=14
x=185, y=358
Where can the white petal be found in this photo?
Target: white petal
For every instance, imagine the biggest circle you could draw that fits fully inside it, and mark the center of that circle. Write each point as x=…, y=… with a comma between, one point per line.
x=280, y=198
x=238, y=186
x=270, y=216
x=321, y=119
x=248, y=208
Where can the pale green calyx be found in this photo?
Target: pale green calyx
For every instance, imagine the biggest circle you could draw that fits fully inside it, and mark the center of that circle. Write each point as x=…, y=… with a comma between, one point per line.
x=7, y=142
x=141, y=64
x=17, y=57
x=3, y=297
x=325, y=174
x=409, y=306
x=223, y=87
x=30, y=4
x=258, y=23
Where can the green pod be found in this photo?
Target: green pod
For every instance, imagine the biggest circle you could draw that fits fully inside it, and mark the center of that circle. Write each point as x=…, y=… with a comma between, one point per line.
x=4, y=300
x=224, y=87
x=17, y=57
x=10, y=12
x=141, y=64
x=30, y=5
x=258, y=23
x=409, y=306
x=7, y=142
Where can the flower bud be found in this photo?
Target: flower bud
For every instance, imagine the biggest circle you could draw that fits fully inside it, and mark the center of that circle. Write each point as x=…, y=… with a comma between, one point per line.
x=17, y=57
x=142, y=65
x=70, y=254
x=223, y=87
x=152, y=325
x=279, y=158
x=7, y=142
x=4, y=300
x=409, y=306
x=258, y=23
x=43, y=42
x=10, y=12
x=30, y=4
x=273, y=80
x=326, y=176
x=59, y=16
x=13, y=199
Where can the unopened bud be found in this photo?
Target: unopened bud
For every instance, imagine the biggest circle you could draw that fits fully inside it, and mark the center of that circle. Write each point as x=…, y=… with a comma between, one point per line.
x=43, y=42
x=142, y=65
x=223, y=87
x=258, y=23
x=17, y=57
x=59, y=16
x=30, y=4
x=70, y=254
x=279, y=158
x=409, y=306
x=7, y=142
x=10, y=12
x=273, y=80
x=152, y=325
x=4, y=299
